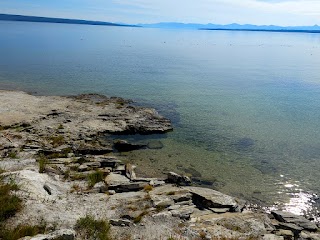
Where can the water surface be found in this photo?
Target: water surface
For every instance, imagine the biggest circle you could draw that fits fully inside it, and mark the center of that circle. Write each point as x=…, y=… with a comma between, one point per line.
x=245, y=105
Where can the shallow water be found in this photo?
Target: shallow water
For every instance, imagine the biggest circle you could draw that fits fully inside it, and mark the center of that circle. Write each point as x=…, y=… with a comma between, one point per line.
x=245, y=105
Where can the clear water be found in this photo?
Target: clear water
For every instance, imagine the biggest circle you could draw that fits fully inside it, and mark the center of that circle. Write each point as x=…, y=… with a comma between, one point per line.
x=245, y=105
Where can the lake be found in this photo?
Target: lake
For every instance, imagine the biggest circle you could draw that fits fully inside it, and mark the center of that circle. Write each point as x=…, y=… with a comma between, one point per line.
x=245, y=105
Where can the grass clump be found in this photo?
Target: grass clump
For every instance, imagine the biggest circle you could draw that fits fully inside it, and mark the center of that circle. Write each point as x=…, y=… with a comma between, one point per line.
x=94, y=178
x=12, y=154
x=139, y=218
x=57, y=141
x=21, y=231
x=10, y=204
x=42, y=160
x=91, y=229
x=148, y=188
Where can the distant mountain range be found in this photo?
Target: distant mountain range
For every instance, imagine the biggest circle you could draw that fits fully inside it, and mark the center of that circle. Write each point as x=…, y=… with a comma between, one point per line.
x=173, y=25
x=233, y=27
x=10, y=17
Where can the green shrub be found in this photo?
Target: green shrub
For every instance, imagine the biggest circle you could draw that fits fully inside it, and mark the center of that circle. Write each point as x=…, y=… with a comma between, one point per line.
x=94, y=178
x=42, y=160
x=57, y=141
x=12, y=154
x=21, y=231
x=91, y=229
x=10, y=204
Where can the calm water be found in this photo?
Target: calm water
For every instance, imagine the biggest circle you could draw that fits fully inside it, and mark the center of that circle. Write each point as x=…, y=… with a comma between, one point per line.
x=245, y=105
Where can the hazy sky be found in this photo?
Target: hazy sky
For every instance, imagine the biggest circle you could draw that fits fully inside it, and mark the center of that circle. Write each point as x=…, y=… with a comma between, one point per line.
x=278, y=12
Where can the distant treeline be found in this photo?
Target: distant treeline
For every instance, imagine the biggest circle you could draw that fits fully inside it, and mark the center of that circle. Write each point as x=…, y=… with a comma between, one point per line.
x=10, y=17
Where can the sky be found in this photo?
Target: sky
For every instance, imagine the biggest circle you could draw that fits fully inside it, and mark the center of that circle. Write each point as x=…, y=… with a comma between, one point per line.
x=259, y=12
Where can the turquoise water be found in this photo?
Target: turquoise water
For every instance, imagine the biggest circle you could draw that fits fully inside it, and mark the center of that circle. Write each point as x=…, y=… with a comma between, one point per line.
x=245, y=105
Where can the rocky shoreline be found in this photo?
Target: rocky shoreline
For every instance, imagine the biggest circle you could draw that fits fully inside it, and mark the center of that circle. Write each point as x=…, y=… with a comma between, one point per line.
x=53, y=149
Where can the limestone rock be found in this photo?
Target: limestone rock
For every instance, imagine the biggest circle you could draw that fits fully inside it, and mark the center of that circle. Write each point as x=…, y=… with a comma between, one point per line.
x=178, y=179
x=62, y=234
x=120, y=222
x=125, y=146
x=272, y=237
x=295, y=219
x=208, y=198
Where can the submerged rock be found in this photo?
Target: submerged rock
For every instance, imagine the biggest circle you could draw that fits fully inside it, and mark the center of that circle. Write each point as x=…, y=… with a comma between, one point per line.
x=125, y=146
x=155, y=145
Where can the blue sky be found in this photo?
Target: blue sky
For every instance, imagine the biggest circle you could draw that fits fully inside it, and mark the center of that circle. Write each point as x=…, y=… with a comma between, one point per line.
x=277, y=12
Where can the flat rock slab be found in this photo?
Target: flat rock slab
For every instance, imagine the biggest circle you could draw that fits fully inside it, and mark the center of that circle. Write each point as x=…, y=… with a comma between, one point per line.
x=116, y=179
x=208, y=198
x=294, y=219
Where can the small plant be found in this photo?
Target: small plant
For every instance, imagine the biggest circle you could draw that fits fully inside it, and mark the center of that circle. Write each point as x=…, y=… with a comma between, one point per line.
x=10, y=204
x=91, y=229
x=148, y=188
x=171, y=193
x=57, y=141
x=139, y=218
x=75, y=188
x=12, y=154
x=21, y=231
x=60, y=126
x=42, y=160
x=94, y=178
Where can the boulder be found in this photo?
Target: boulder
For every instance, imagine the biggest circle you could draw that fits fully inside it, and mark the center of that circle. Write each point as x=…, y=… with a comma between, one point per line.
x=129, y=170
x=300, y=221
x=178, y=179
x=209, y=198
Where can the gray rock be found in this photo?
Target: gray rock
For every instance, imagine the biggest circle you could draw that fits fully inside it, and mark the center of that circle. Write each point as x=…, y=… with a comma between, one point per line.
x=290, y=226
x=295, y=219
x=120, y=222
x=83, y=168
x=108, y=161
x=93, y=165
x=208, y=198
x=272, y=237
x=309, y=235
x=115, y=179
x=287, y=234
x=178, y=179
x=181, y=197
x=183, y=212
x=125, y=146
x=62, y=234
x=129, y=170
x=127, y=187
x=111, y=192
x=157, y=183
x=100, y=187
x=161, y=201
x=219, y=210
x=85, y=149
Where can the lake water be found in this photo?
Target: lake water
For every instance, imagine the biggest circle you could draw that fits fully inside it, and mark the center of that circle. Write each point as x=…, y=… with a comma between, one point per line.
x=245, y=105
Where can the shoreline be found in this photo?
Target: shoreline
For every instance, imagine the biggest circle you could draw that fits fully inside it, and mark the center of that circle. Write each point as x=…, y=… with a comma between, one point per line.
x=65, y=132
